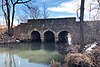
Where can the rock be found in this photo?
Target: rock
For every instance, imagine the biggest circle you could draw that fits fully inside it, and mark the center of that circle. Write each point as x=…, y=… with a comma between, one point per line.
x=17, y=41
x=89, y=47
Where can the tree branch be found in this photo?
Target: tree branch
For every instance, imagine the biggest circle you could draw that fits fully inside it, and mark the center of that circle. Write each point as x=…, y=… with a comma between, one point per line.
x=11, y=1
x=21, y=2
x=5, y=15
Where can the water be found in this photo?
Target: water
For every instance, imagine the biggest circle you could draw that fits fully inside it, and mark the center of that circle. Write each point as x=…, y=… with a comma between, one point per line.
x=27, y=54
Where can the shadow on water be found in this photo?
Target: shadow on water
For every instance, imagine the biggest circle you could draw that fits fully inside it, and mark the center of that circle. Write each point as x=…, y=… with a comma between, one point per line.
x=45, y=46
x=49, y=46
x=30, y=46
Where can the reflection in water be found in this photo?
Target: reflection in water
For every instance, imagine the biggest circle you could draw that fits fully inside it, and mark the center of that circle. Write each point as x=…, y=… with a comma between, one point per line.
x=30, y=46
x=49, y=46
x=27, y=54
x=16, y=61
x=35, y=46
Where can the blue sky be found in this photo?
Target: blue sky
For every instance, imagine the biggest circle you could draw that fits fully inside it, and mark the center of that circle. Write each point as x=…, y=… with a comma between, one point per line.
x=55, y=3
x=64, y=8
x=68, y=8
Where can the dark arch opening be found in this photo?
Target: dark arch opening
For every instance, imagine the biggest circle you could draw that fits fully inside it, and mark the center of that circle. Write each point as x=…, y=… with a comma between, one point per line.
x=49, y=36
x=35, y=36
x=63, y=37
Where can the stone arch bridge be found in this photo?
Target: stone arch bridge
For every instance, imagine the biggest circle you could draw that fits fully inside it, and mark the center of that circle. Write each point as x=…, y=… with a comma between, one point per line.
x=57, y=29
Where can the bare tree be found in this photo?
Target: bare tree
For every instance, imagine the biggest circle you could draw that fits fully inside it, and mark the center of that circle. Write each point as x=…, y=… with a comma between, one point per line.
x=21, y=18
x=8, y=8
x=45, y=11
x=33, y=11
x=96, y=8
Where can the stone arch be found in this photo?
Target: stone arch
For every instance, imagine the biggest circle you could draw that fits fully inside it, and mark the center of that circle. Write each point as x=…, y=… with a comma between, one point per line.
x=49, y=36
x=63, y=36
x=35, y=36
x=48, y=30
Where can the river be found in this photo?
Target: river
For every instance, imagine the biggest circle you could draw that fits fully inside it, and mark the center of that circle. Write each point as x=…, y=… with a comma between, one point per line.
x=28, y=54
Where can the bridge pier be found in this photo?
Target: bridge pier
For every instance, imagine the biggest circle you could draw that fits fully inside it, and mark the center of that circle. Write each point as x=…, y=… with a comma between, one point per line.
x=42, y=39
x=56, y=39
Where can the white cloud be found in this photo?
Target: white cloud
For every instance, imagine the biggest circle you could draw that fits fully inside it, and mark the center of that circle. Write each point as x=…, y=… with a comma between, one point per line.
x=62, y=16
x=73, y=5
x=69, y=7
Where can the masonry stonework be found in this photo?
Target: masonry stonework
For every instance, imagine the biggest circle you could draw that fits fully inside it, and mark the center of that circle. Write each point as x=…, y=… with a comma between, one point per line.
x=57, y=25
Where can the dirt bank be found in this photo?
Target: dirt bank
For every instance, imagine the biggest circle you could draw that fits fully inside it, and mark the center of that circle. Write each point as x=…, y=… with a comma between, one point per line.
x=4, y=38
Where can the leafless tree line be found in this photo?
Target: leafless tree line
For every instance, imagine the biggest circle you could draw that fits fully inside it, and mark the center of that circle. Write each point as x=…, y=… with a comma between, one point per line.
x=93, y=7
x=9, y=10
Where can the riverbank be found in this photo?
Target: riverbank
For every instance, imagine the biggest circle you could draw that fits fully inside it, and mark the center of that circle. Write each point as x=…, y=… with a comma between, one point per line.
x=90, y=58
x=4, y=38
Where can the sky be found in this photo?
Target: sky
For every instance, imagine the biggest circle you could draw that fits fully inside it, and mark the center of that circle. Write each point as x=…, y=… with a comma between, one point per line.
x=66, y=8
x=59, y=8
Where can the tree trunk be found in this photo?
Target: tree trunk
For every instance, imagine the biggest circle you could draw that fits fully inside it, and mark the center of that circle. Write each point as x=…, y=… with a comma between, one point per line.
x=8, y=17
x=81, y=24
x=13, y=13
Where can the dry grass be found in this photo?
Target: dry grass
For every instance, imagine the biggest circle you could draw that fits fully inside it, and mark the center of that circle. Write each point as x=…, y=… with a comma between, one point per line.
x=75, y=59
x=78, y=59
x=55, y=64
x=96, y=56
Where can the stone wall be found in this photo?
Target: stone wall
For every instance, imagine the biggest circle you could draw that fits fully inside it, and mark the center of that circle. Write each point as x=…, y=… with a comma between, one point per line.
x=91, y=31
x=56, y=25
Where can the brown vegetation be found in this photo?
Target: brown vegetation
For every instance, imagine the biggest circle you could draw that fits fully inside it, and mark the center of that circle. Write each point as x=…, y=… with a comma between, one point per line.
x=4, y=38
x=55, y=64
x=76, y=59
